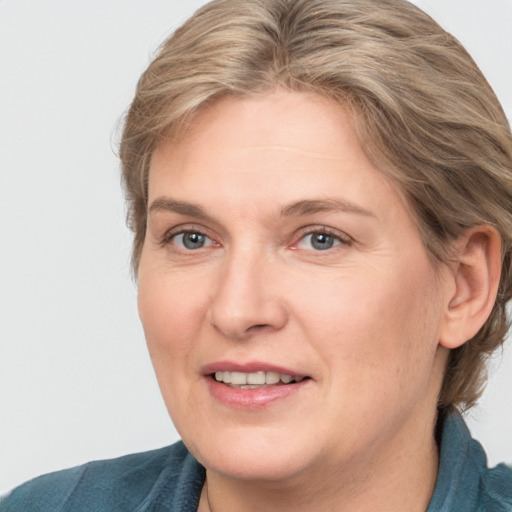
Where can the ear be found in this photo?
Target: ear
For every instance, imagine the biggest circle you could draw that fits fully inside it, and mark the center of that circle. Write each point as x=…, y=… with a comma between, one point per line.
x=475, y=274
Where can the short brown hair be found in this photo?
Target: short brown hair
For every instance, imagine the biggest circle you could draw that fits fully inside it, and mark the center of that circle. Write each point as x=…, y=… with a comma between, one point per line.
x=425, y=115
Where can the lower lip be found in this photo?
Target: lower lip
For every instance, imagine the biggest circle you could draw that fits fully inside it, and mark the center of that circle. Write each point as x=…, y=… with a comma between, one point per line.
x=252, y=398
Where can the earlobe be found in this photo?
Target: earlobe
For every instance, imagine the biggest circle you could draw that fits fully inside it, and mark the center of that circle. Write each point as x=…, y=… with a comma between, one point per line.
x=475, y=275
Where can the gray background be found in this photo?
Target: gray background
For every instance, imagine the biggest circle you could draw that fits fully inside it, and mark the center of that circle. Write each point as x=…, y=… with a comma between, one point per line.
x=75, y=380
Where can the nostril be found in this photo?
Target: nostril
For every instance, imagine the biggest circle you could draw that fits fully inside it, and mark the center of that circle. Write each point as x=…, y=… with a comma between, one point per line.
x=259, y=327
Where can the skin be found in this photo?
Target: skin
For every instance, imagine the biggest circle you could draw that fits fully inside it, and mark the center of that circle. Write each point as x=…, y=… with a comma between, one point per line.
x=362, y=319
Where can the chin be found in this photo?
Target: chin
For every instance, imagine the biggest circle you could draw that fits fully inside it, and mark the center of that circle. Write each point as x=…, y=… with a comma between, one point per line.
x=254, y=456
x=256, y=468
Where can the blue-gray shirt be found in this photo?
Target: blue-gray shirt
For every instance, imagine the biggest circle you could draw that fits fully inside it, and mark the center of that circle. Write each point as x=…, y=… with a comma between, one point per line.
x=170, y=479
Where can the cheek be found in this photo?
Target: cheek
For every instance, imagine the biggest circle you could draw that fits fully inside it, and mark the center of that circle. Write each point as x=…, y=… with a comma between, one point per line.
x=171, y=320
x=170, y=310
x=375, y=332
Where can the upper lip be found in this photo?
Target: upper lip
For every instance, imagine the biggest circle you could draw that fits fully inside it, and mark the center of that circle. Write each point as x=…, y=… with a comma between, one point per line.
x=248, y=367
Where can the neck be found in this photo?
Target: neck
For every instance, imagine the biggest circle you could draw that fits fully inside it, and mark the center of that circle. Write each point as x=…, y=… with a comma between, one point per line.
x=402, y=477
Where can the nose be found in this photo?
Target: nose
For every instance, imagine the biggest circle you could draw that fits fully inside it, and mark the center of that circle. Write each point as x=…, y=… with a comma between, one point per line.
x=247, y=299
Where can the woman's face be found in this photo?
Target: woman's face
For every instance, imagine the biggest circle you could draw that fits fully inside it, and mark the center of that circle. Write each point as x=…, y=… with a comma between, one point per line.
x=277, y=253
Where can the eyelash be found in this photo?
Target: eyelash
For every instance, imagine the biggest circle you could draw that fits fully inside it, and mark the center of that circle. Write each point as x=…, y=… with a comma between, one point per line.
x=173, y=234
x=337, y=239
x=342, y=239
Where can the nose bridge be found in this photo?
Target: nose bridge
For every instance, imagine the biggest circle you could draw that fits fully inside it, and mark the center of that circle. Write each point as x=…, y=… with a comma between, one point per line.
x=246, y=300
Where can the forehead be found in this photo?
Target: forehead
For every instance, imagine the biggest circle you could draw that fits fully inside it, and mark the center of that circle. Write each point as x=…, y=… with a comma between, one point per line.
x=271, y=148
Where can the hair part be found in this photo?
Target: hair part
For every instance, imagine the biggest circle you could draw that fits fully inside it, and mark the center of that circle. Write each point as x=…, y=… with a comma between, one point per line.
x=424, y=113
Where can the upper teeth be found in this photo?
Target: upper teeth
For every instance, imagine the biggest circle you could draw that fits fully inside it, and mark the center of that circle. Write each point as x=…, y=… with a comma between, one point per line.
x=254, y=378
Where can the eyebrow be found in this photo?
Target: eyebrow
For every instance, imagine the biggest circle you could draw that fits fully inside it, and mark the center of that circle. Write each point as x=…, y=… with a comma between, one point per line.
x=312, y=206
x=181, y=207
x=300, y=208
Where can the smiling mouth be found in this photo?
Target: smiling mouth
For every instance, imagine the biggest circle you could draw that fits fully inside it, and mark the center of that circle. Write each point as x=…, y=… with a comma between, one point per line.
x=255, y=380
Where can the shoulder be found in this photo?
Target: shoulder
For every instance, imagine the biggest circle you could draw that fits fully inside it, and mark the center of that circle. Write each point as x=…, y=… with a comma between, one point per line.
x=496, y=489
x=494, y=483
x=132, y=482
x=465, y=482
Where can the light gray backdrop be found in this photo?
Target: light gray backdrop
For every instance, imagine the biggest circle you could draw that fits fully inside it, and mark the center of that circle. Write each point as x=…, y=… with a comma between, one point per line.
x=75, y=380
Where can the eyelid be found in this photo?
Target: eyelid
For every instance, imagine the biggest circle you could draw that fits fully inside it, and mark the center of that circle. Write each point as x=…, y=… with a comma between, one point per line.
x=343, y=237
x=185, y=228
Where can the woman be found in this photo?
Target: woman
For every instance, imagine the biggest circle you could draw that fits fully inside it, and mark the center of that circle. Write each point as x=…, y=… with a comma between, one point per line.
x=320, y=193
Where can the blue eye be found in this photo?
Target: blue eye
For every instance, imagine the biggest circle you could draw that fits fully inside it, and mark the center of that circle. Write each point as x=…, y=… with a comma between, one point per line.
x=319, y=241
x=191, y=240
